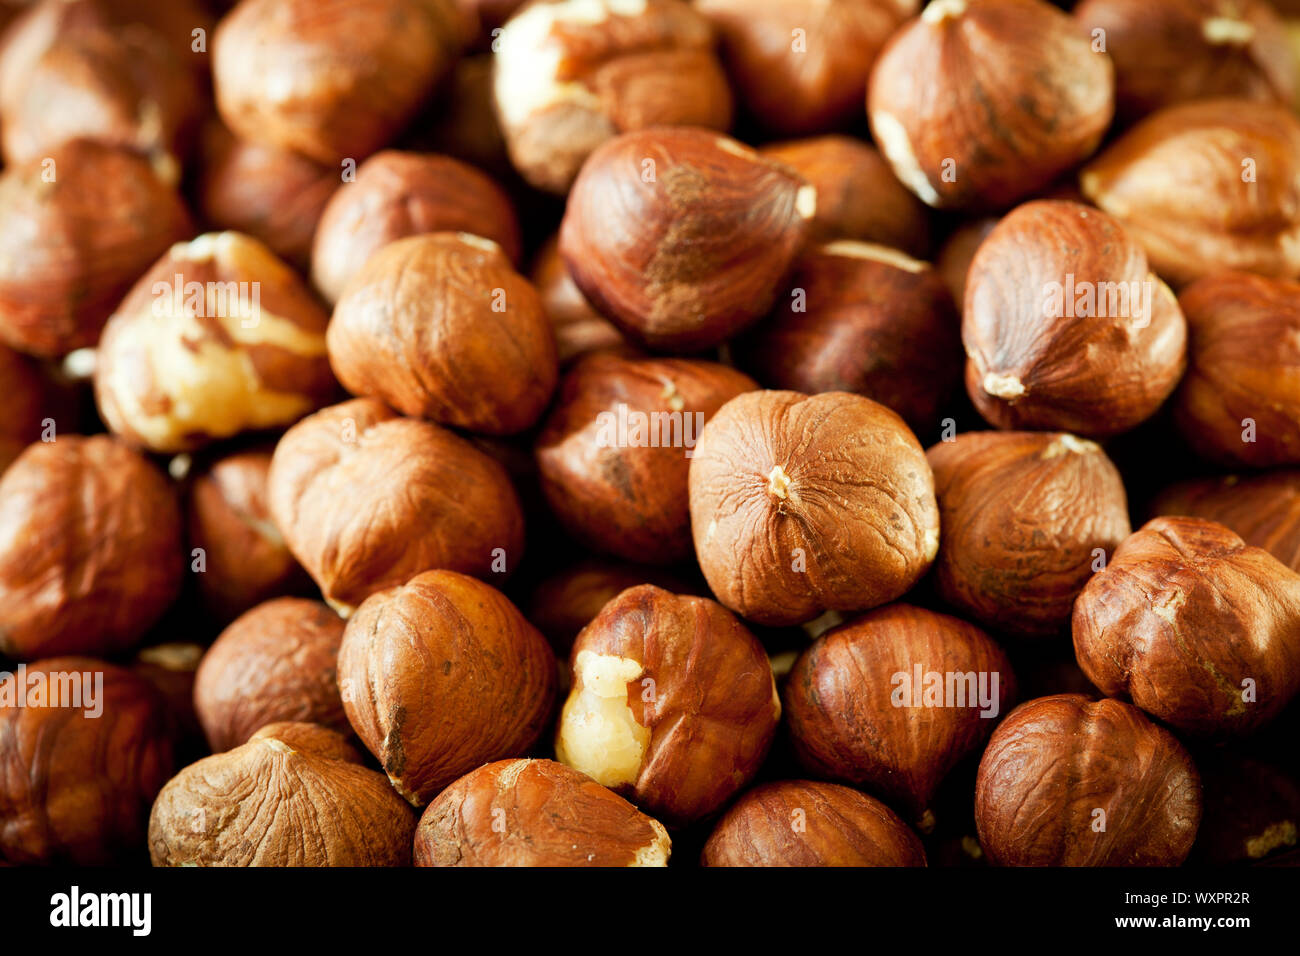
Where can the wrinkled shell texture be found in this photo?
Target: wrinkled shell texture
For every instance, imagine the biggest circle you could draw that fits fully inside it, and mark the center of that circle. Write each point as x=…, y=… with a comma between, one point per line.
x=802, y=504
x=1056, y=761
x=565, y=603
x=1193, y=625
x=1263, y=509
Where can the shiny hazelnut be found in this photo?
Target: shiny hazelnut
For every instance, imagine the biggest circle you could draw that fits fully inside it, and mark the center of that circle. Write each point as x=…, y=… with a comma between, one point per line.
x=441, y=675
x=366, y=500
x=802, y=504
x=1068, y=781
x=1194, y=626
x=442, y=327
x=396, y=195
x=616, y=450
x=1240, y=401
x=1206, y=186
x=84, y=747
x=81, y=226
x=278, y=662
x=805, y=823
x=673, y=703
x=954, y=257
x=894, y=699
x=295, y=795
x=1065, y=325
x=333, y=81
x=1025, y=518
x=27, y=406
x=218, y=338
x=536, y=813
x=90, y=548
x=979, y=103
x=577, y=326
x=1263, y=509
x=867, y=319
x=681, y=236
x=572, y=74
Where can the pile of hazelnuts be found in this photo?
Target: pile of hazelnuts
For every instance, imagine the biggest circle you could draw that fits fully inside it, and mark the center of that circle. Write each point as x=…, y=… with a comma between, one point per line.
x=584, y=432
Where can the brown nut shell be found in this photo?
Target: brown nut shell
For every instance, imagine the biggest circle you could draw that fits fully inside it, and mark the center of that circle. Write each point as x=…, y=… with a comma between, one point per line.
x=577, y=326
x=28, y=408
x=1263, y=509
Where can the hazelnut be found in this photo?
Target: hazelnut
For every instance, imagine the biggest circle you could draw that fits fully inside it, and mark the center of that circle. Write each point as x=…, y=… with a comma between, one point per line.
x=803, y=823
x=572, y=74
x=440, y=676
x=366, y=500
x=673, y=703
x=465, y=125
x=894, y=699
x=954, y=257
x=1068, y=781
x=396, y=195
x=295, y=795
x=218, y=338
x=1206, y=186
x=802, y=68
x=577, y=326
x=857, y=194
x=1263, y=509
x=332, y=81
x=536, y=813
x=278, y=662
x=1193, y=625
x=81, y=226
x=979, y=103
x=441, y=326
x=84, y=747
x=90, y=548
x=803, y=504
x=1240, y=400
x=615, y=453
x=1066, y=327
x=26, y=404
x=867, y=319
x=681, y=236
x=170, y=669
x=1024, y=520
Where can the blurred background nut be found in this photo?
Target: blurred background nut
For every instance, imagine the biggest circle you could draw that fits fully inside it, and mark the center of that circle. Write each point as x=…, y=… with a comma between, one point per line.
x=278, y=662
x=853, y=718
x=1067, y=781
x=366, y=500
x=867, y=319
x=1240, y=400
x=463, y=123
x=441, y=326
x=170, y=668
x=805, y=823
x=331, y=79
x=978, y=103
x=577, y=326
x=802, y=504
x=1206, y=186
x=81, y=225
x=1025, y=518
x=1263, y=509
x=441, y=675
x=27, y=405
x=536, y=813
x=396, y=195
x=295, y=795
x=673, y=703
x=682, y=236
x=955, y=255
x=1252, y=809
x=571, y=74
x=77, y=776
x=1193, y=625
x=615, y=453
x=218, y=338
x=90, y=548
x=1066, y=327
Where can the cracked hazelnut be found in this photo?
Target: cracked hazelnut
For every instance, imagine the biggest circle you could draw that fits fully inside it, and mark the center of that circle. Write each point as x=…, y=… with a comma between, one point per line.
x=577, y=326
x=441, y=675
x=90, y=548
x=536, y=813
x=1194, y=626
x=441, y=326
x=682, y=236
x=803, y=504
x=805, y=823
x=1024, y=520
x=295, y=795
x=366, y=500
x=1066, y=327
x=1068, y=781
x=1263, y=509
